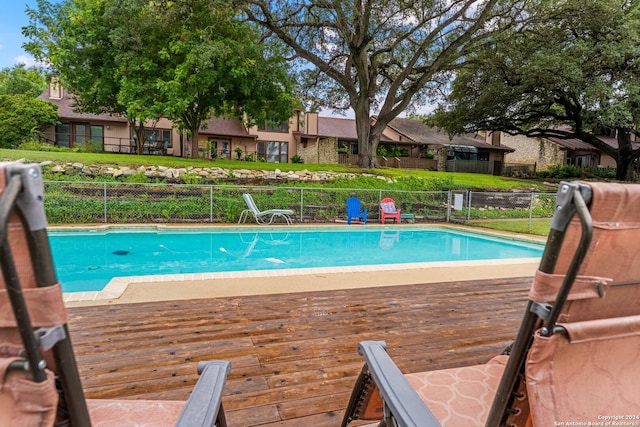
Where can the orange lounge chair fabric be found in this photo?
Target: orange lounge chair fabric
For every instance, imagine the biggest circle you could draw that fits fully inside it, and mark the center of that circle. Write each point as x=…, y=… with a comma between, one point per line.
x=460, y=396
x=593, y=369
x=26, y=402
x=590, y=366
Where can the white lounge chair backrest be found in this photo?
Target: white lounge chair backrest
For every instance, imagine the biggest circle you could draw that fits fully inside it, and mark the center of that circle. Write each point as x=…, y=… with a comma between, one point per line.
x=250, y=203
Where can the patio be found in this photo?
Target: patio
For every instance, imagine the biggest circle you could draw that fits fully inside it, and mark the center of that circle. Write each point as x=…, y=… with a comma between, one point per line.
x=294, y=358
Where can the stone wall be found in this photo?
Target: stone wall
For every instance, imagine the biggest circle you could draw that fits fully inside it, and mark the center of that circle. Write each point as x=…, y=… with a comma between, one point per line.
x=198, y=174
x=323, y=151
x=440, y=156
x=540, y=151
x=309, y=154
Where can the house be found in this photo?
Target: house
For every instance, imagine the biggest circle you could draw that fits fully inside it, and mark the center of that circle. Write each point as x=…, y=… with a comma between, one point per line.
x=220, y=137
x=330, y=140
x=545, y=152
x=106, y=132
x=405, y=143
x=459, y=153
x=413, y=144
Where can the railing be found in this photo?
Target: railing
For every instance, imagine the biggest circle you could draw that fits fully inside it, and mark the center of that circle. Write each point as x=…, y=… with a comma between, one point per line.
x=391, y=162
x=348, y=159
x=516, y=170
x=121, y=203
x=469, y=166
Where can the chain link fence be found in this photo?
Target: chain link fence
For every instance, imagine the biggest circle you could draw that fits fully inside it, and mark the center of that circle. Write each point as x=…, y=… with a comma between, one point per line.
x=74, y=202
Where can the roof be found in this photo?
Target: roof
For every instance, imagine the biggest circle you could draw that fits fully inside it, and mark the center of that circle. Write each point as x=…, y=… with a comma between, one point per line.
x=225, y=127
x=573, y=144
x=66, y=110
x=613, y=142
x=421, y=133
x=341, y=128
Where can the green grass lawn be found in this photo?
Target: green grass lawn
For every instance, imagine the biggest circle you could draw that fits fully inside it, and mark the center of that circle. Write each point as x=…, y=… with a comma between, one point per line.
x=538, y=226
x=447, y=179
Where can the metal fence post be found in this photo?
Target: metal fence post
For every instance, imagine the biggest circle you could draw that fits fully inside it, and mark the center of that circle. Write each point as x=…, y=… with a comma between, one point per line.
x=469, y=207
x=210, y=203
x=104, y=192
x=448, y=205
x=301, y=204
x=530, y=211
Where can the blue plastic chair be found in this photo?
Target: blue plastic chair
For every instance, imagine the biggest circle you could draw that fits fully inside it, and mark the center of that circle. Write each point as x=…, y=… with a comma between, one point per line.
x=354, y=210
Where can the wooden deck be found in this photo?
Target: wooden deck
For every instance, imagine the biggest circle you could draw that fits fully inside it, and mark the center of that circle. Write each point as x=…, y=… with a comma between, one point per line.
x=294, y=358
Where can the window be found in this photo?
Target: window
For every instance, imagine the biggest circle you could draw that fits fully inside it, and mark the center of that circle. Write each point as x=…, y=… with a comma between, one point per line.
x=70, y=134
x=583, y=161
x=273, y=151
x=63, y=135
x=350, y=146
x=275, y=127
x=225, y=150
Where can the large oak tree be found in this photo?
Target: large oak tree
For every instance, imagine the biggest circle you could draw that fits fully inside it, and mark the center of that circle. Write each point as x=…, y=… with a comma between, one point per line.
x=575, y=74
x=379, y=57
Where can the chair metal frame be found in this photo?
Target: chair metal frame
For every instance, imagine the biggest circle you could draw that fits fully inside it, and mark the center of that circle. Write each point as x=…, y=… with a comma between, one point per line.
x=24, y=194
x=260, y=216
x=403, y=407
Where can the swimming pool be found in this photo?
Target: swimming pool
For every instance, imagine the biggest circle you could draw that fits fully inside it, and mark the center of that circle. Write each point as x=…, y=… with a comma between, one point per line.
x=86, y=260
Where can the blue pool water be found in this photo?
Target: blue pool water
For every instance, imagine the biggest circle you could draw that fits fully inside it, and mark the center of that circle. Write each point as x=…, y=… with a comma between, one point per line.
x=88, y=260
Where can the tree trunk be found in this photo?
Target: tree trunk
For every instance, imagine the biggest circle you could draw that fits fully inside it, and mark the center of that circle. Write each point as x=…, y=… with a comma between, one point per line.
x=139, y=130
x=193, y=142
x=625, y=158
x=366, y=150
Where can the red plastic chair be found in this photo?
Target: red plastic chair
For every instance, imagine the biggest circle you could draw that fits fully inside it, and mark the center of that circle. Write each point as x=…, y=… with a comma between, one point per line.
x=388, y=210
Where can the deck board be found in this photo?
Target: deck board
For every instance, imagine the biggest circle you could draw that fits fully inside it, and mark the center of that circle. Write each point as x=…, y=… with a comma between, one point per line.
x=293, y=356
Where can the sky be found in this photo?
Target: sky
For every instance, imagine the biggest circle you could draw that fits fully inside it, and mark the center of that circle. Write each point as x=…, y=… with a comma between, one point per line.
x=12, y=19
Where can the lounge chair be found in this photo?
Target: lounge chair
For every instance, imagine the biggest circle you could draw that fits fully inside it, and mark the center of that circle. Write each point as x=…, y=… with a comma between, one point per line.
x=354, y=210
x=576, y=356
x=37, y=363
x=262, y=216
x=388, y=210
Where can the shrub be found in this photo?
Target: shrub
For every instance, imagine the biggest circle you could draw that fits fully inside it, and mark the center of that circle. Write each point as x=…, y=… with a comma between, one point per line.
x=138, y=178
x=561, y=172
x=297, y=159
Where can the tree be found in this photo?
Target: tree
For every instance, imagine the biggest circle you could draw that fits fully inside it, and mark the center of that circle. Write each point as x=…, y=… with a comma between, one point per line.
x=82, y=40
x=220, y=67
x=22, y=117
x=146, y=59
x=575, y=74
x=379, y=56
x=22, y=80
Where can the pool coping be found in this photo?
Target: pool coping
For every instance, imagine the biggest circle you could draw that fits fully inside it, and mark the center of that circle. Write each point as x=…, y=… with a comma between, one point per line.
x=118, y=286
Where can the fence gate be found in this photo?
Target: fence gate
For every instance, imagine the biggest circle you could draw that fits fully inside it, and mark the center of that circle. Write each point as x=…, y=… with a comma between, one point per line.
x=459, y=202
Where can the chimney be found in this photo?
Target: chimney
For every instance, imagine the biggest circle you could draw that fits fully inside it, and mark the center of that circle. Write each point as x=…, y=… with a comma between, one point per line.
x=311, y=123
x=55, y=88
x=493, y=138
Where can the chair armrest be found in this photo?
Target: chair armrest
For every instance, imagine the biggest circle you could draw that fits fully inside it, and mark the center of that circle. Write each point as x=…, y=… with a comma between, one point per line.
x=402, y=401
x=206, y=398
